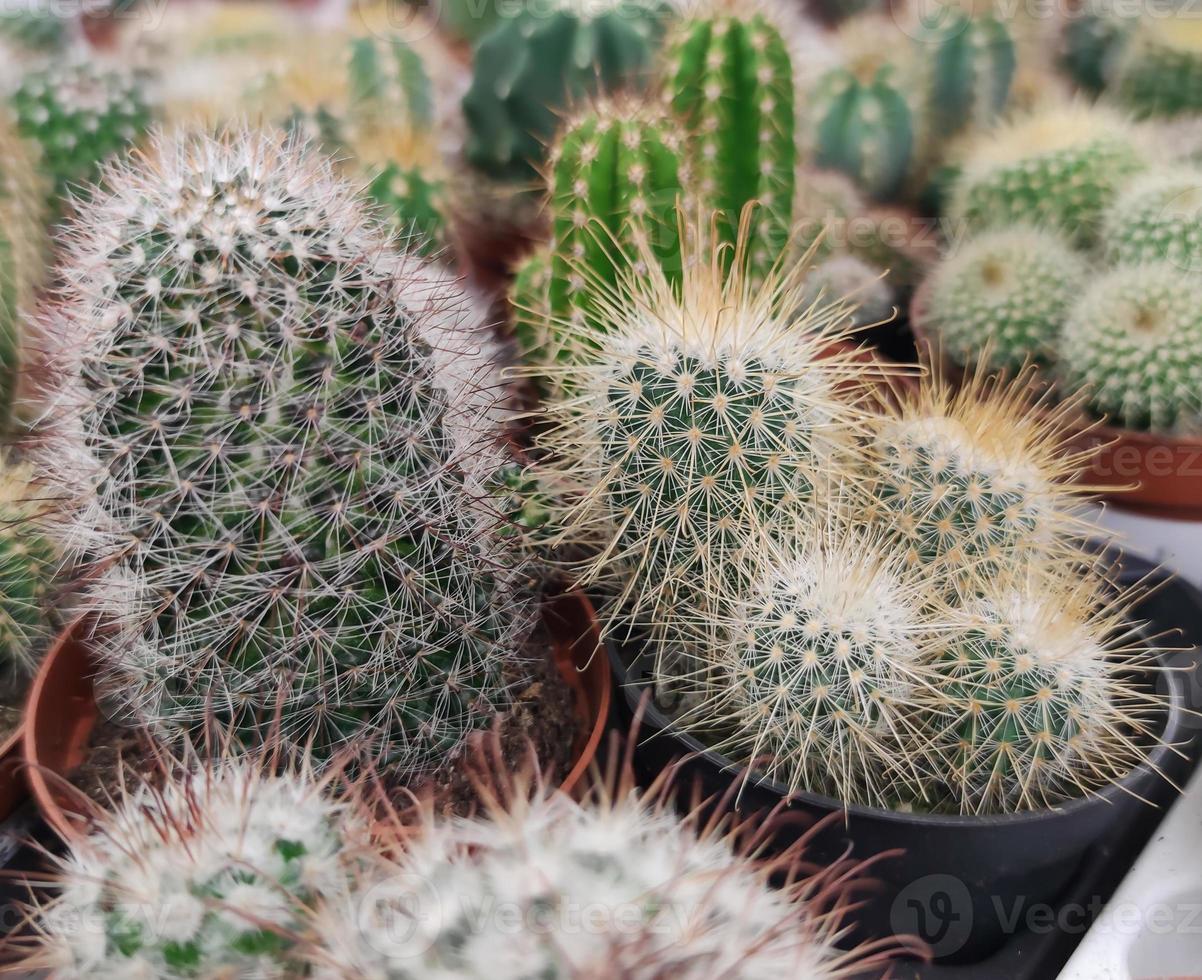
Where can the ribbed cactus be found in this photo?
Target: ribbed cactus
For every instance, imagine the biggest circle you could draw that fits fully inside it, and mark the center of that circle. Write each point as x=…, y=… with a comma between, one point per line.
x=969, y=67
x=1094, y=36
x=1006, y=294
x=1040, y=697
x=1060, y=167
x=79, y=113
x=728, y=75
x=276, y=447
x=27, y=567
x=213, y=874
x=530, y=309
x=531, y=67
x=1132, y=341
x=978, y=479
x=1159, y=72
x=1157, y=218
x=849, y=281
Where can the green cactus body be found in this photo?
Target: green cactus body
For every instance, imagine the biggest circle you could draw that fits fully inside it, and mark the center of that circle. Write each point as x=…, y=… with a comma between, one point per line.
x=388, y=83
x=1006, y=292
x=530, y=68
x=27, y=567
x=1093, y=41
x=1132, y=341
x=866, y=128
x=1157, y=218
x=289, y=474
x=414, y=200
x=730, y=78
x=35, y=28
x=1160, y=70
x=971, y=68
x=79, y=115
x=530, y=306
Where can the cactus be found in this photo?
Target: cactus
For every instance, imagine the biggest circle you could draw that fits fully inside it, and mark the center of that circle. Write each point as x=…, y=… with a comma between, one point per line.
x=405, y=176
x=286, y=440
x=978, y=479
x=37, y=27
x=1004, y=295
x=1094, y=37
x=389, y=84
x=1040, y=698
x=1131, y=341
x=530, y=311
x=970, y=69
x=729, y=77
x=529, y=68
x=79, y=114
x=27, y=564
x=1060, y=167
x=847, y=280
x=210, y=875
x=1160, y=70
x=1156, y=219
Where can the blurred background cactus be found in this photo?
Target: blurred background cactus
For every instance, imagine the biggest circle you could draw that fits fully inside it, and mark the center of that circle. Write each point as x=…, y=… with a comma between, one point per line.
x=1156, y=219
x=969, y=68
x=27, y=567
x=1159, y=72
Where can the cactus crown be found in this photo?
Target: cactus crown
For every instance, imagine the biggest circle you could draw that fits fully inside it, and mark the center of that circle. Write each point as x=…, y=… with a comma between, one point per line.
x=270, y=461
x=1156, y=219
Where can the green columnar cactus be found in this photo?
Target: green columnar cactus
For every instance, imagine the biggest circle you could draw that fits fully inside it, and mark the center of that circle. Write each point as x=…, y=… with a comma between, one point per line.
x=1160, y=70
x=529, y=68
x=211, y=875
x=79, y=114
x=1004, y=295
x=729, y=77
x=1039, y=699
x=1094, y=37
x=970, y=69
x=286, y=442
x=27, y=564
x=388, y=84
x=1132, y=342
x=1060, y=167
x=530, y=309
x=1157, y=219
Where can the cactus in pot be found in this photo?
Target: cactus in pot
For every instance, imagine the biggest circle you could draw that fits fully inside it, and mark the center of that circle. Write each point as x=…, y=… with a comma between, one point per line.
x=1159, y=72
x=1156, y=219
x=275, y=459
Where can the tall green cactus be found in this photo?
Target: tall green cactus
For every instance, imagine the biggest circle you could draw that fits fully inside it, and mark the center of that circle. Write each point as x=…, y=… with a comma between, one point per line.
x=970, y=69
x=729, y=76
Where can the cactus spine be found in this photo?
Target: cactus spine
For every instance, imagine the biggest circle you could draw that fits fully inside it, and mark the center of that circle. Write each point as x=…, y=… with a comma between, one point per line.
x=1156, y=219
x=283, y=490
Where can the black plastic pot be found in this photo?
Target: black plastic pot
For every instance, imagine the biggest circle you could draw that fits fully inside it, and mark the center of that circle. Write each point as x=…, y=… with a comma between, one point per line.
x=961, y=884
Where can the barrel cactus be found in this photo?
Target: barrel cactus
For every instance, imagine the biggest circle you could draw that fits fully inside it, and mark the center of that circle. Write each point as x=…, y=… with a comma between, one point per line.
x=1131, y=341
x=272, y=447
x=1160, y=70
x=27, y=567
x=1060, y=167
x=1003, y=294
x=530, y=67
x=729, y=76
x=1157, y=218
x=969, y=69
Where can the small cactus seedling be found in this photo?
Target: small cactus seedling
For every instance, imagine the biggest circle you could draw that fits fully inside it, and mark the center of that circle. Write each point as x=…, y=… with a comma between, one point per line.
x=1060, y=167
x=1157, y=218
x=970, y=67
x=978, y=479
x=27, y=566
x=1040, y=698
x=1007, y=292
x=1132, y=342
x=1160, y=70
x=79, y=114
x=729, y=77
x=529, y=68
x=276, y=447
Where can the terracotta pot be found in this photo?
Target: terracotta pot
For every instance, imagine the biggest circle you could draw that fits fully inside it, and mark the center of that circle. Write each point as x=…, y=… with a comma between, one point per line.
x=1151, y=473
x=62, y=709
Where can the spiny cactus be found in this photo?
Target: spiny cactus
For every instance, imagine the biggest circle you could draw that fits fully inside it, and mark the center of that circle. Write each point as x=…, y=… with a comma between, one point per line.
x=847, y=280
x=1132, y=342
x=530, y=309
x=978, y=479
x=729, y=76
x=1160, y=70
x=1156, y=219
x=275, y=454
x=821, y=668
x=211, y=874
x=406, y=177
x=1094, y=36
x=709, y=414
x=1060, y=167
x=529, y=68
x=79, y=113
x=969, y=68
x=27, y=566
x=1005, y=292
x=1040, y=698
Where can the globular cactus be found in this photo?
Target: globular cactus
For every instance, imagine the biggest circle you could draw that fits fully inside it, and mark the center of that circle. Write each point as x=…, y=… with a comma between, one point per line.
x=821, y=668
x=1156, y=219
x=529, y=68
x=27, y=567
x=1060, y=167
x=1004, y=295
x=978, y=479
x=1159, y=72
x=79, y=114
x=407, y=179
x=1131, y=343
x=1042, y=696
x=728, y=75
x=275, y=443
x=850, y=281
x=213, y=873
x=969, y=69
